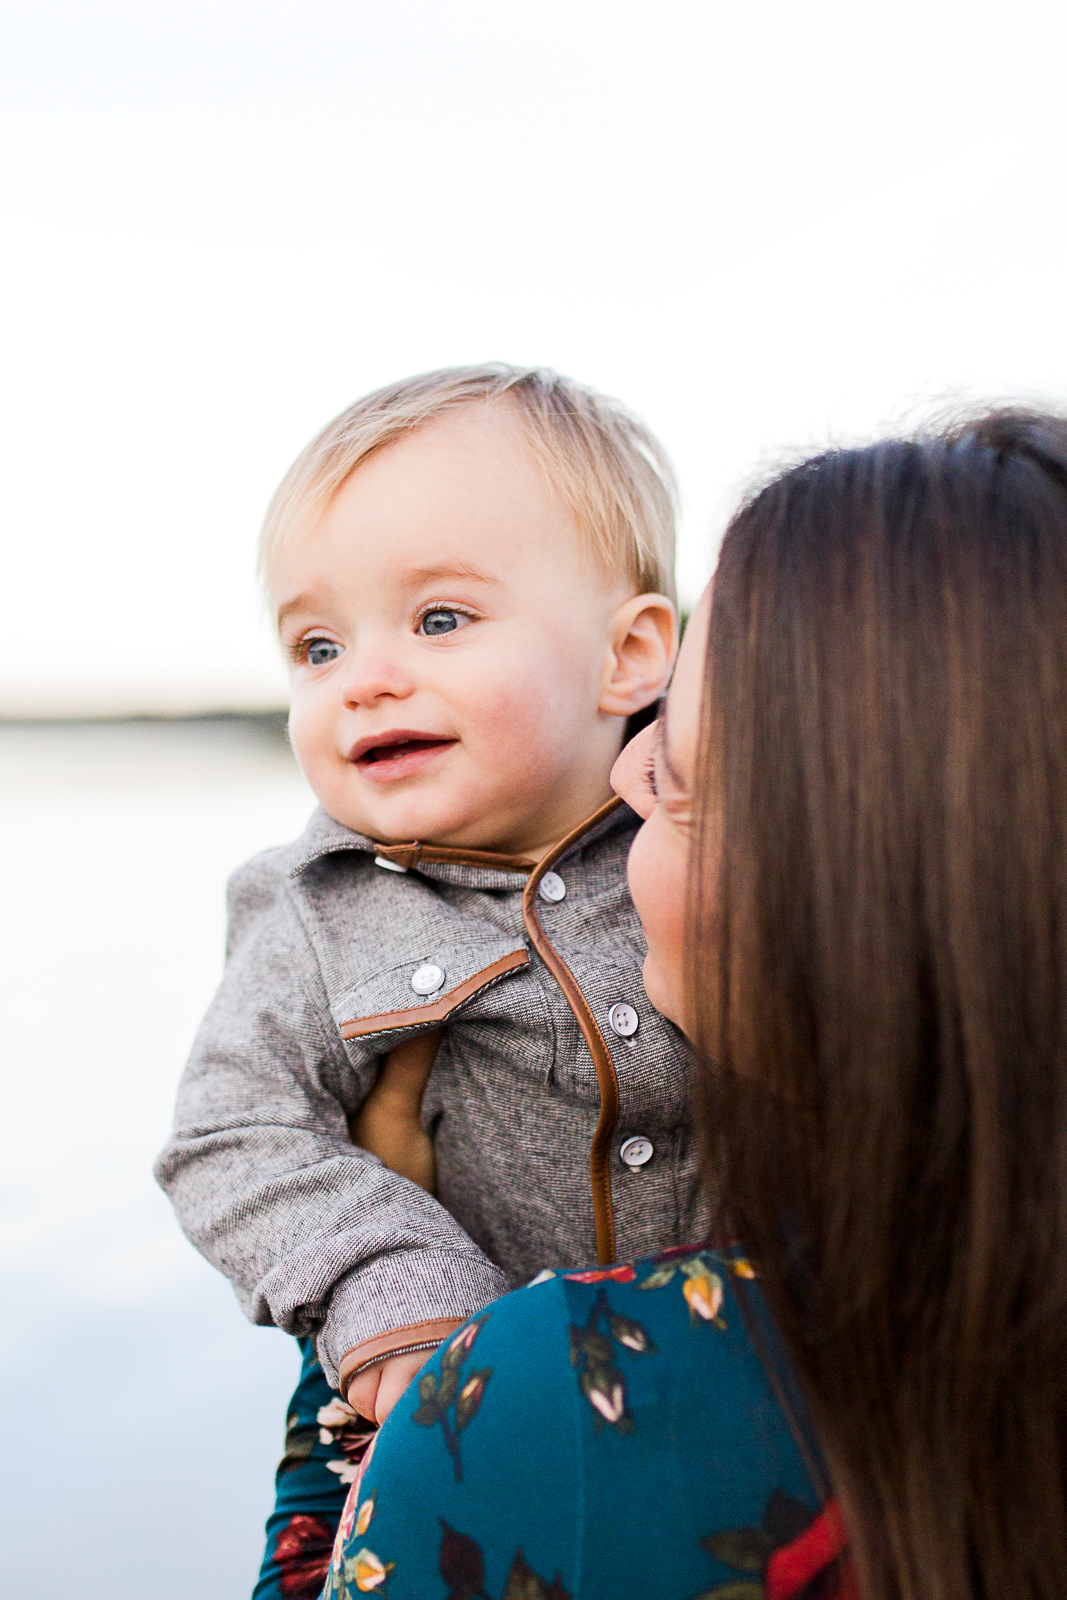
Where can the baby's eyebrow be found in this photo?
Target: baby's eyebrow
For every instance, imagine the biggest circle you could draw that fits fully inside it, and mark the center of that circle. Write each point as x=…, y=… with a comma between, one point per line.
x=449, y=569
x=300, y=602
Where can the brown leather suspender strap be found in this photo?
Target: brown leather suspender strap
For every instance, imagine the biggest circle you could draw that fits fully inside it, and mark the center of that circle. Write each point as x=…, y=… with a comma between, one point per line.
x=600, y=1150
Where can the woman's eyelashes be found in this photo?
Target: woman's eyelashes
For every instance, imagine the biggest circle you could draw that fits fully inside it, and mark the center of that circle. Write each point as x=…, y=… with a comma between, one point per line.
x=439, y=620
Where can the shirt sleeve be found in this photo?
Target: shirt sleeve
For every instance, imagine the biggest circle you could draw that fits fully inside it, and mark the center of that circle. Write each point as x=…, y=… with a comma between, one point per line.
x=316, y=1236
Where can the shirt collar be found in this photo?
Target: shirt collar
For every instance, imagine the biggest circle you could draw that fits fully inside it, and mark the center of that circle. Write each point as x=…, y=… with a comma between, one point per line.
x=324, y=836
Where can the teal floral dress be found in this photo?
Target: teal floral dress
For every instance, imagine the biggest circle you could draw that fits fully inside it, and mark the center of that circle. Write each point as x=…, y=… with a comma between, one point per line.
x=623, y=1432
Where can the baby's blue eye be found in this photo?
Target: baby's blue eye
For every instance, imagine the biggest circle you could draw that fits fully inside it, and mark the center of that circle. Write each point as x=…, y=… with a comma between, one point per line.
x=441, y=621
x=320, y=652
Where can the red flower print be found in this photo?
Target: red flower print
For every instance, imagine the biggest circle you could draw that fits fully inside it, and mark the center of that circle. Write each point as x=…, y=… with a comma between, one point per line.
x=818, y=1548
x=303, y=1552
x=795, y=1552
x=602, y=1274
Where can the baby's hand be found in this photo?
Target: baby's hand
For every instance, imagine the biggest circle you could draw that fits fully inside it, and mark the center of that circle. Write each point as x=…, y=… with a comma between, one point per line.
x=387, y=1123
x=374, y=1394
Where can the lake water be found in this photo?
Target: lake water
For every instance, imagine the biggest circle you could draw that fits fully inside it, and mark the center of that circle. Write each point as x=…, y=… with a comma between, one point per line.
x=142, y=1414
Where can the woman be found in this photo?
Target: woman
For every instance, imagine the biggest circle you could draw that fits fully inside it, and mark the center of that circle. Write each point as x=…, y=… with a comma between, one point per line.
x=853, y=879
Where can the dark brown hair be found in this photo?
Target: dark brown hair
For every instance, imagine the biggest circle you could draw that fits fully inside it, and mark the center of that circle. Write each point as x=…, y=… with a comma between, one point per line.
x=881, y=902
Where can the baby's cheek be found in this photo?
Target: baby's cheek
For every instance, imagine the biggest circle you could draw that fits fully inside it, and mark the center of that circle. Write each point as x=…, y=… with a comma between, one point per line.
x=515, y=723
x=302, y=737
x=315, y=748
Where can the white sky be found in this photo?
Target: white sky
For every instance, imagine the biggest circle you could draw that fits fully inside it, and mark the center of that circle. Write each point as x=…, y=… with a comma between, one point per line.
x=763, y=226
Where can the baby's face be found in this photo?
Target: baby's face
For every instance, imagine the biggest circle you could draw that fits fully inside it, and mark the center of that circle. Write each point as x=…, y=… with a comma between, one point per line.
x=447, y=638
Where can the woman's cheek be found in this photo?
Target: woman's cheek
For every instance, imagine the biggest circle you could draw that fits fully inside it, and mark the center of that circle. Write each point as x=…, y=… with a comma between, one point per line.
x=656, y=873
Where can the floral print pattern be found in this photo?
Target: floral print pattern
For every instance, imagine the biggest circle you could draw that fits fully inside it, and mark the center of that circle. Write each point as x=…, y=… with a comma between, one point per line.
x=453, y=1392
x=593, y=1357
x=364, y=1572
x=795, y=1554
x=592, y=1346
x=463, y=1570
x=323, y=1443
x=302, y=1552
x=348, y=1433
x=539, y=1505
x=625, y=1274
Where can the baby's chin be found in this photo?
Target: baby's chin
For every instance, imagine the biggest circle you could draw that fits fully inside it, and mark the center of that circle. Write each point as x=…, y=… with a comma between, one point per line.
x=431, y=819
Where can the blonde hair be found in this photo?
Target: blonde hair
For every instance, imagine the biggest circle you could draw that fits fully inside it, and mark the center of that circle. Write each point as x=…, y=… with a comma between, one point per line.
x=608, y=468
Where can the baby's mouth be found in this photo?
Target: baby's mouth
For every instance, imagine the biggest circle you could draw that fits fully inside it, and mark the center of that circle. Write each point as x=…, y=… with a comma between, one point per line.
x=397, y=754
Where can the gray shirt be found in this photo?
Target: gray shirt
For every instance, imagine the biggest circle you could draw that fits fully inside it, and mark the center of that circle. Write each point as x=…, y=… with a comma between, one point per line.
x=325, y=940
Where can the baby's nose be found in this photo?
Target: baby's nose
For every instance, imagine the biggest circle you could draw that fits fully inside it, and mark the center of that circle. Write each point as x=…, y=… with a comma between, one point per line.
x=374, y=672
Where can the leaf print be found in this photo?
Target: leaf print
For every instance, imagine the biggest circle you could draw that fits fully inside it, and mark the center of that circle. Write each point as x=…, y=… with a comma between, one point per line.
x=747, y=1549
x=524, y=1584
x=463, y=1570
x=429, y=1412
x=461, y=1563
x=452, y=1391
x=784, y=1518
x=597, y=1346
x=446, y=1389
x=630, y=1334
x=660, y=1276
x=593, y=1356
x=299, y=1443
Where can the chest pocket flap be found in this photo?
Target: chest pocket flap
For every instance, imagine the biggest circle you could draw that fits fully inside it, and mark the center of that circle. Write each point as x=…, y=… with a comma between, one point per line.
x=426, y=988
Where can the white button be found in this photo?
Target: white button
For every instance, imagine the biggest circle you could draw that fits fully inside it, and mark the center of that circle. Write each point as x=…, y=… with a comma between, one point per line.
x=552, y=887
x=427, y=979
x=390, y=866
x=624, y=1021
x=635, y=1152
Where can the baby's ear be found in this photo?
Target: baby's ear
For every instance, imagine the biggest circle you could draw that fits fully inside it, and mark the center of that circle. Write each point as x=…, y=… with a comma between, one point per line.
x=642, y=645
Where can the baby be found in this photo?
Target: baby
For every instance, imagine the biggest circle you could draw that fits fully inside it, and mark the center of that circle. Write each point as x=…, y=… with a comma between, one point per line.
x=438, y=986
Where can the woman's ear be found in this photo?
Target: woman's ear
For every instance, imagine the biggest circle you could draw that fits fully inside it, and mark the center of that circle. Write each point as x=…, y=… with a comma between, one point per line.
x=642, y=645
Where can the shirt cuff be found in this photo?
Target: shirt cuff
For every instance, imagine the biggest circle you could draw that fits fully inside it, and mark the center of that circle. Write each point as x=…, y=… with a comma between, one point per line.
x=401, y=1290
x=416, y=1336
